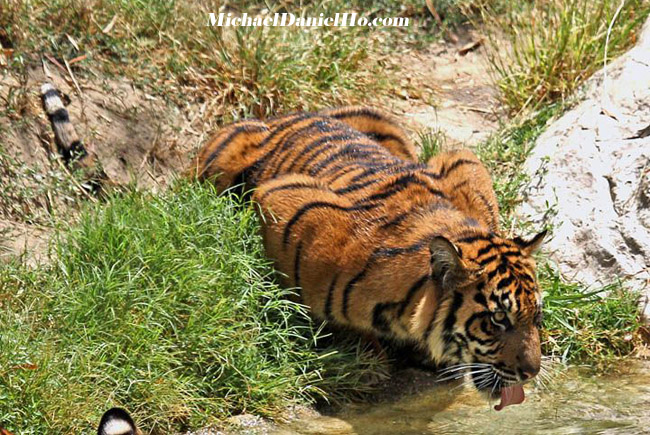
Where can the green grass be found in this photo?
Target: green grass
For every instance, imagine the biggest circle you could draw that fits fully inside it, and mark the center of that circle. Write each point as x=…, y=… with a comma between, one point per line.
x=542, y=51
x=594, y=327
x=505, y=152
x=164, y=305
x=430, y=143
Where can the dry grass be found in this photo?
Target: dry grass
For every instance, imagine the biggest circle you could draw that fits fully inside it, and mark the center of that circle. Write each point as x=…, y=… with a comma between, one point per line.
x=167, y=47
x=542, y=51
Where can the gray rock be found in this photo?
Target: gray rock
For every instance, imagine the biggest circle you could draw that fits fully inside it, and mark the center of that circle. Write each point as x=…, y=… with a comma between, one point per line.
x=591, y=177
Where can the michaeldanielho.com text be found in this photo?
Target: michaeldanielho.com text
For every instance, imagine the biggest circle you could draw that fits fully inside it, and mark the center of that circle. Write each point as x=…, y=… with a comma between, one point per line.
x=346, y=19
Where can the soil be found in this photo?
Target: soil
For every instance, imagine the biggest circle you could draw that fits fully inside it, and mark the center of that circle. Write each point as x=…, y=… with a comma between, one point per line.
x=134, y=137
x=448, y=89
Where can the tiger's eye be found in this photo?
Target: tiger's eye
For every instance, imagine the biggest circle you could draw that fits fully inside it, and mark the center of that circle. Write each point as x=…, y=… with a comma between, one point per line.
x=499, y=316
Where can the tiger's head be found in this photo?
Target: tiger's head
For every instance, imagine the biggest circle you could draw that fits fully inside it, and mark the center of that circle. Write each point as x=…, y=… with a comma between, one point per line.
x=489, y=321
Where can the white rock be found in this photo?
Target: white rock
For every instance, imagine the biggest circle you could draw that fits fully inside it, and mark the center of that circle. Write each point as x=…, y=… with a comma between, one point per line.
x=596, y=178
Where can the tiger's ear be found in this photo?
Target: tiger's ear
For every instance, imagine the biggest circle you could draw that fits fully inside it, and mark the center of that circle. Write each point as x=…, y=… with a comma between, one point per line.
x=446, y=265
x=531, y=246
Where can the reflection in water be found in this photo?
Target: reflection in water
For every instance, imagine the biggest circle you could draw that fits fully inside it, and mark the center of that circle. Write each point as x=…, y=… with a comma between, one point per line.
x=574, y=404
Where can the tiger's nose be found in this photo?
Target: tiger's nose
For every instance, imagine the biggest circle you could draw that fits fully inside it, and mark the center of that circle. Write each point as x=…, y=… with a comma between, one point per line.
x=528, y=371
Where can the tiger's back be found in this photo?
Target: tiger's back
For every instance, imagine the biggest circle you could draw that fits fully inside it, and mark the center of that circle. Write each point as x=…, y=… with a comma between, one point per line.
x=379, y=242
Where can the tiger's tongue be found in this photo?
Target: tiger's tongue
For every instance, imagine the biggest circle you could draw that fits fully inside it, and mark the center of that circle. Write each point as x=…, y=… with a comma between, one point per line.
x=513, y=395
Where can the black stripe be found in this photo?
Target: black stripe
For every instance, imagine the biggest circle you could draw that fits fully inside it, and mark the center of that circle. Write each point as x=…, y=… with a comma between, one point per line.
x=370, y=113
x=400, y=185
x=344, y=170
x=450, y=320
x=296, y=264
x=245, y=128
x=384, y=137
x=491, y=274
x=488, y=352
x=487, y=260
x=480, y=299
x=59, y=116
x=321, y=144
x=313, y=205
x=484, y=251
x=468, y=330
x=457, y=164
x=413, y=212
x=397, y=166
x=320, y=140
x=459, y=185
x=505, y=282
x=348, y=289
x=526, y=277
x=353, y=152
x=330, y=296
x=280, y=128
x=354, y=187
x=341, y=168
x=381, y=137
x=379, y=322
x=362, y=158
x=474, y=238
x=291, y=186
x=411, y=293
x=278, y=151
x=484, y=326
x=50, y=93
x=397, y=220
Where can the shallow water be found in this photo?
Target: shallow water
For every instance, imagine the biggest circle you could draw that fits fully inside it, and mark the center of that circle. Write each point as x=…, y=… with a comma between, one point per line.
x=575, y=403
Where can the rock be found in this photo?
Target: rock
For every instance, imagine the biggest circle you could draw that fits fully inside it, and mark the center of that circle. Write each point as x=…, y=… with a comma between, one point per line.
x=590, y=175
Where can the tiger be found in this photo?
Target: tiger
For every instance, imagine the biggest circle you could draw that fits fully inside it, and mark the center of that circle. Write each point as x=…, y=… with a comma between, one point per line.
x=381, y=244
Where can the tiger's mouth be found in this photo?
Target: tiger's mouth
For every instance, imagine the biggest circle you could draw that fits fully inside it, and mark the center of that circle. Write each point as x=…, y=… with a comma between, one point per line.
x=487, y=379
x=511, y=392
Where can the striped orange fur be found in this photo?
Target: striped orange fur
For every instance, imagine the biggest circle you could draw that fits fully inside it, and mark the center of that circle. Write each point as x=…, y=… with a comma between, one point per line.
x=383, y=244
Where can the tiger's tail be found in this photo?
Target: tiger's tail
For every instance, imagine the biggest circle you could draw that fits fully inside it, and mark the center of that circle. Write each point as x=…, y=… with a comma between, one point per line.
x=116, y=421
x=67, y=140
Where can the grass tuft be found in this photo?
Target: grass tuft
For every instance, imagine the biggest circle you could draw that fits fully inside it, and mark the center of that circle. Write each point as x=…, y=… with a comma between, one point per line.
x=552, y=46
x=596, y=327
x=166, y=306
x=431, y=143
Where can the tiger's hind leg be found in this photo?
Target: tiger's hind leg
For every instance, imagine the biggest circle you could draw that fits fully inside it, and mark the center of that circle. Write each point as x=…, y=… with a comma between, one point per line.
x=378, y=126
x=468, y=185
x=306, y=227
x=229, y=154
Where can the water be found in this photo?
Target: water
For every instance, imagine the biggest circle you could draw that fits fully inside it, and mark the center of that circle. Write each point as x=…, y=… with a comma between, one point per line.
x=575, y=403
